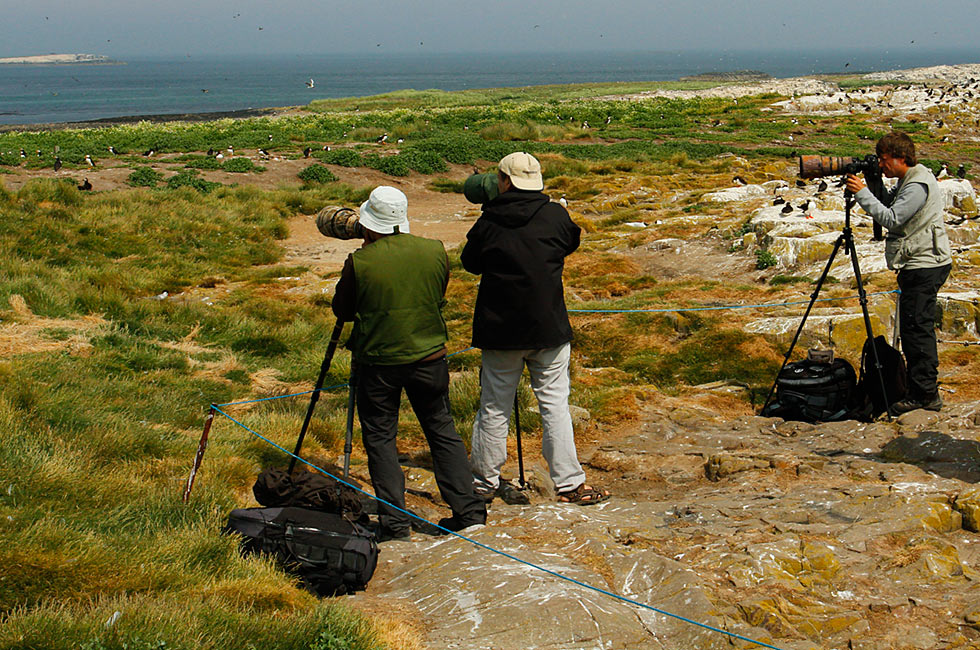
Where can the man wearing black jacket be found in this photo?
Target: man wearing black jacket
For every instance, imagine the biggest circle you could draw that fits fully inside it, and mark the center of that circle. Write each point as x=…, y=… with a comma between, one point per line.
x=519, y=246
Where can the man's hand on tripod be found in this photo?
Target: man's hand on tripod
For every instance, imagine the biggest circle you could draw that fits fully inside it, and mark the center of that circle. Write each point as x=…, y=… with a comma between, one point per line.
x=854, y=184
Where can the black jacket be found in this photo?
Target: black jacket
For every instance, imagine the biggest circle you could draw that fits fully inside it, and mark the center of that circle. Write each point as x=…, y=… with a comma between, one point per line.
x=519, y=245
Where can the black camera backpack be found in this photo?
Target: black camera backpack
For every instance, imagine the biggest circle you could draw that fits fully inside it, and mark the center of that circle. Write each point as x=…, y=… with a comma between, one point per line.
x=331, y=554
x=813, y=391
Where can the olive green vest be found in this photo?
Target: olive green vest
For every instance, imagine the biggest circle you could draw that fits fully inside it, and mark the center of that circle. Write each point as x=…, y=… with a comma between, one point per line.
x=921, y=242
x=400, y=291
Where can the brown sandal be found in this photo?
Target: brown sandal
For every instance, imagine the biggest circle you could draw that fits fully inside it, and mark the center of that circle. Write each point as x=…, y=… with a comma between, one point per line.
x=583, y=495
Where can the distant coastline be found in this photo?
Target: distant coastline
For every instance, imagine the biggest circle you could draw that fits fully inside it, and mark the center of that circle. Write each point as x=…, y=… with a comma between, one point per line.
x=60, y=59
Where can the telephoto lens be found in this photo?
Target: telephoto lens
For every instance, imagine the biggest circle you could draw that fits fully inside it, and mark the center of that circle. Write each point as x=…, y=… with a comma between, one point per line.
x=818, y=166
x=339, y=223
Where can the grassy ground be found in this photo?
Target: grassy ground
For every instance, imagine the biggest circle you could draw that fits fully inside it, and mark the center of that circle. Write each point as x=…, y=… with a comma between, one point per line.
x=104, y=388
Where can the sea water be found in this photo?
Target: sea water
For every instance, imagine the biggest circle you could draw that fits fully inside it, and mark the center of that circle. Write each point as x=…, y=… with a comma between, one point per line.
x=33, y=94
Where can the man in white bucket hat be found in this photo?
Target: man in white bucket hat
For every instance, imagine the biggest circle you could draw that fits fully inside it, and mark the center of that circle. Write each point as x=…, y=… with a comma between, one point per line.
x=393, y=288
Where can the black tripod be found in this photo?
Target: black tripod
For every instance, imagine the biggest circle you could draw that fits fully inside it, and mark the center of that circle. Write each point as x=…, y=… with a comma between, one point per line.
x=846, y=240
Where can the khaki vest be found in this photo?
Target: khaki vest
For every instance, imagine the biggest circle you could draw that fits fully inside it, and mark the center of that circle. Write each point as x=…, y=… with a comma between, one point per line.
x=399, y=283
x=921, y=242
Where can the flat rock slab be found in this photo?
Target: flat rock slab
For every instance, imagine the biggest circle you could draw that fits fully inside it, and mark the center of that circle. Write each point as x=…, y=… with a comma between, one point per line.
x=836, y=535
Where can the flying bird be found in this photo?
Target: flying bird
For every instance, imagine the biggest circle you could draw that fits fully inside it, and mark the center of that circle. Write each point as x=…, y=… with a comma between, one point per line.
x=310, y=83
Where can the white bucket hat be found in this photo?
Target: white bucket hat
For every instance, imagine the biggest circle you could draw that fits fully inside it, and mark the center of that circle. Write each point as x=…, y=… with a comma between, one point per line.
x=385, y=209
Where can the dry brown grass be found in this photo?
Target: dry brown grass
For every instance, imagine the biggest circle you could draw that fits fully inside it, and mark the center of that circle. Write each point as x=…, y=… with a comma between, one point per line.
x=27, y=333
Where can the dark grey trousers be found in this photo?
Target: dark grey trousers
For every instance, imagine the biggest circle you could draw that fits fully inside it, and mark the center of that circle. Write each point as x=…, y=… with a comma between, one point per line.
x=917, y=328
x=379, y=390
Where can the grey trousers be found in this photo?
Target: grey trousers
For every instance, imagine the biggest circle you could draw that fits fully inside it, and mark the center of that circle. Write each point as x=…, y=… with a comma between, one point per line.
x=499, y=378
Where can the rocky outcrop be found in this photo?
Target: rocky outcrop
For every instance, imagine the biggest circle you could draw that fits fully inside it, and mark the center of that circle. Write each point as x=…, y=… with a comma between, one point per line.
x=839, y=535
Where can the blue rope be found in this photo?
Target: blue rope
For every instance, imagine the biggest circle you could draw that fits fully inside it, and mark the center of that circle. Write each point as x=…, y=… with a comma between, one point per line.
x=677, y=309
x=497, y=551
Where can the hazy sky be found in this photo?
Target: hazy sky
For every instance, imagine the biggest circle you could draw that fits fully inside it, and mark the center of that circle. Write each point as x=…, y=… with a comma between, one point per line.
x=125, y=28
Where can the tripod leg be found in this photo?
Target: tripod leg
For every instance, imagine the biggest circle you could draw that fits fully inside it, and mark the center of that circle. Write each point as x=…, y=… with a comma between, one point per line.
x=896, y=331
x=863, y=299
x=324, y=368
x=799, y=330
x=349, y=431
x=520, y=452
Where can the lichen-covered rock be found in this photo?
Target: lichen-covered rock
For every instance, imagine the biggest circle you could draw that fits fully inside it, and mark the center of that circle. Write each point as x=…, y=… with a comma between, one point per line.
x=959, y=313
x=957, y=192
x=739, y=193
x=721, y=465
x=967, y=503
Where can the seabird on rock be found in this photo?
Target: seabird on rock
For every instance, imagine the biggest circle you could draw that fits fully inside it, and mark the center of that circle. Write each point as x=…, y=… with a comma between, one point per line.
x=822, y=187
x=800, y=183
x=23, y=154
x=149, y=152
x=961, y=171
x=563, y=202
x=88, y=160
x=231, y=150
x=270, y=137
x=804, y=206
x=57, y=163
x=263, y=152
x=307, y=152
x=778, y=200
x=382, y=138
x=85, y=186
x=787, y=208
x=608, y=119
x=326, y=147
x=38, y=152
x=112, y=150
x=943, y=171
x=738, y=180
x=219, y=156
x=211, y=151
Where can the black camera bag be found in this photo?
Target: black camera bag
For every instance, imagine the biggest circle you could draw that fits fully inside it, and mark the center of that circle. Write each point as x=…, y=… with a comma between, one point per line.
x=813, y=392
x=893, y=374
x=331, y=554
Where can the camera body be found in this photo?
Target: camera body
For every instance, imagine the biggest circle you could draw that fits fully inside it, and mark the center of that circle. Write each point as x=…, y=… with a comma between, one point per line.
x=819, y=166
x=339, y=223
